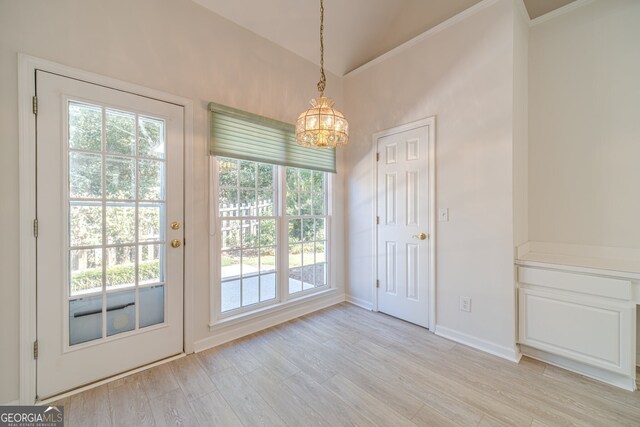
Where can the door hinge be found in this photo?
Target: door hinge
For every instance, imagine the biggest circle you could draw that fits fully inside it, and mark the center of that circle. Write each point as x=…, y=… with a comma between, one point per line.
x=377, y=157
x=35, y=349
x=35, y=228
x=34, y=101
x=377, y=220
x=377, y=283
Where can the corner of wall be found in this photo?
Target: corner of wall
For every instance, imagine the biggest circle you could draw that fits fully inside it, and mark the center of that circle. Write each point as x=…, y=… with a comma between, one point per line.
x=520, y=124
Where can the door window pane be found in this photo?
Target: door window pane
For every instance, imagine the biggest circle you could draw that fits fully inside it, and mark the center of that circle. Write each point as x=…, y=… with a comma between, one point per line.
x=120, y=178
x=86, y=219
x=149, y=219
x=116, y=233
x=120, y=132
x=151, y=182
x=120, y=267
x=85, y=127
x=85, y=268
x=151, y=137
x=85, y=319
x=85, y=175
x=151, y=306
x=121, y=223
x=150, y=264
x=121, y=312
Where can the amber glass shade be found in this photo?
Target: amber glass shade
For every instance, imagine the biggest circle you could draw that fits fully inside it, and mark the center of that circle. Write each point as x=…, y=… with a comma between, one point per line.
x=321, y=126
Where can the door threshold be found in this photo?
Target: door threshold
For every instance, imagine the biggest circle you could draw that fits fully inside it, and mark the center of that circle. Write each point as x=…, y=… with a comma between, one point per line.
x=103, y=381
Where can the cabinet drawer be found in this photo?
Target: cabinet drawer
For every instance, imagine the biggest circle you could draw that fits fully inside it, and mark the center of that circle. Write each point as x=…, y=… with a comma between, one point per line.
x=578, y=327
x=576, y=282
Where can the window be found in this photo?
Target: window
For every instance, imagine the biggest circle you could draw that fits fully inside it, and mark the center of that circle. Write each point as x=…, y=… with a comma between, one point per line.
x=307, y=229
x=269, y=220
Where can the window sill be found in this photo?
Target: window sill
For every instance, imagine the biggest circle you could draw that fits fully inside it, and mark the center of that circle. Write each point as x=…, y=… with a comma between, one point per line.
x=270, y=310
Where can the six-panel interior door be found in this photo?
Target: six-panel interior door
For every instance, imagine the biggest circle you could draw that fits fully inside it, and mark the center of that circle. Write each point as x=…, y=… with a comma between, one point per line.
x=109, y=205
x=403, y=231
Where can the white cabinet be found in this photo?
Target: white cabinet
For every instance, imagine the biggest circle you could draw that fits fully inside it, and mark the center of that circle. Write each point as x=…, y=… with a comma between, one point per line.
x=579, y=320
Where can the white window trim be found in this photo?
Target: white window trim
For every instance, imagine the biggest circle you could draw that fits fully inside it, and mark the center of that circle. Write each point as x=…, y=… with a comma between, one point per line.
x=283, y=299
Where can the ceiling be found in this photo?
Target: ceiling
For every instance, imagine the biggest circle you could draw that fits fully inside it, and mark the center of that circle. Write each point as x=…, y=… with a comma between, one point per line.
x=356, y=31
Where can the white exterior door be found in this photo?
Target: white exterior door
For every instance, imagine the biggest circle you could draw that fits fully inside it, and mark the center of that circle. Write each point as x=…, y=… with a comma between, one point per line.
x=403, y=229
x=109, y=207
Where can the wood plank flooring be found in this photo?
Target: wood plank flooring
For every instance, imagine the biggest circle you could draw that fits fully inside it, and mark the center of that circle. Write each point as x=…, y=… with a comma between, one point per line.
x=345, y=366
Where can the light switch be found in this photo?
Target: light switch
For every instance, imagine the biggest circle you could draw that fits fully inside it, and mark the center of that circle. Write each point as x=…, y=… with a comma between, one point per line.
x=443, y=214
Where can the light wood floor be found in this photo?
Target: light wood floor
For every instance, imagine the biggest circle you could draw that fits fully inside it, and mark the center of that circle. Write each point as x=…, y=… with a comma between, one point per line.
x=347, y=366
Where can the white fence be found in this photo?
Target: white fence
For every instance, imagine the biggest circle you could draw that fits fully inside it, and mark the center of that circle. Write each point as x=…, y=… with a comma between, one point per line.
x=239, y=212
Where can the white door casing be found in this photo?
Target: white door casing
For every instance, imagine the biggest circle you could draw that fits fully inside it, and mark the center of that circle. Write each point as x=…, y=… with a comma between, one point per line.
x=404, y=233
x=62, y=365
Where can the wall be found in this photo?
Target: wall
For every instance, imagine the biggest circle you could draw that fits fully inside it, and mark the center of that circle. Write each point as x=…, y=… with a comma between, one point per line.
x=520, y=125
x=583, y=126
x=463, y=75
x=171, y=45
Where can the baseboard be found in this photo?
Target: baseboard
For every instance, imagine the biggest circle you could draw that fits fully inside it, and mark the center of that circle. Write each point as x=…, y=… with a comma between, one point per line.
x=14, y=403
x=599, y=374
x=511, y=354
x=239, y=330
x=359, y=302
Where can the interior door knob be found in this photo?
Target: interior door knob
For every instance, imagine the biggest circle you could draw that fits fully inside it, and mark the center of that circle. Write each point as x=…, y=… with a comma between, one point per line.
x=421, y=236
x=175, y=243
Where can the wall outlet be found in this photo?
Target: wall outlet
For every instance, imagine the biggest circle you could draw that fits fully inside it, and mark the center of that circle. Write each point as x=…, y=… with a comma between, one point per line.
x=465, y=304
x=443, y=214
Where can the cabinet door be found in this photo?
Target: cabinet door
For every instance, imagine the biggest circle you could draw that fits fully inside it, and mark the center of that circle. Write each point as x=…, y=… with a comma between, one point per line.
x=595, y=331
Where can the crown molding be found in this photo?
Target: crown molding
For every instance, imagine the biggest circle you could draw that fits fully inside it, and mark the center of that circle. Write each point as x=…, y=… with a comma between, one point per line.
x=429, y=33
x=560, y=11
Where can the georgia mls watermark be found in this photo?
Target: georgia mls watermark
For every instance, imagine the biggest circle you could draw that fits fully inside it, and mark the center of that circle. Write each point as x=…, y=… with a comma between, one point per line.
x=32, y=416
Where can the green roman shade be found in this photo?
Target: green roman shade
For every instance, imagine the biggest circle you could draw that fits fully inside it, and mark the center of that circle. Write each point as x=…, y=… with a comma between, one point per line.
x=247, y=136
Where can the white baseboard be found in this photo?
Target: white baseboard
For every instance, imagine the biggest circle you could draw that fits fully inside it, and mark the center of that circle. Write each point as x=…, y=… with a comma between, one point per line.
x=359, y=302
x=14, y=403
x=599, y=374
x=511, y=354
x=238, y=330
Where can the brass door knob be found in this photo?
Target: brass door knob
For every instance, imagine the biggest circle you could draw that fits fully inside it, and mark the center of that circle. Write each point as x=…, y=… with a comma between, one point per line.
x=175, y=225
x=421, y=236
x=175, y=243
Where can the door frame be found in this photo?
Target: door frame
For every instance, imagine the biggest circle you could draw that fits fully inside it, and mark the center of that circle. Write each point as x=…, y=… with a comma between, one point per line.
x=430, y=123
x=27, y=66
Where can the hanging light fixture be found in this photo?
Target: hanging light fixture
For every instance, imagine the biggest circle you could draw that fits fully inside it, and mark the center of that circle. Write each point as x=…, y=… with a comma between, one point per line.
x=321, y=126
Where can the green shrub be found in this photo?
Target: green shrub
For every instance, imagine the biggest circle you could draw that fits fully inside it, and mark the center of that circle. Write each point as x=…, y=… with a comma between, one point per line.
x=118, y=275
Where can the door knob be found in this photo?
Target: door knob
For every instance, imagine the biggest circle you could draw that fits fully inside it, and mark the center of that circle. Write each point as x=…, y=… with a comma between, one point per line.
x=175, y=243
x=421, y=236
x=175, y=225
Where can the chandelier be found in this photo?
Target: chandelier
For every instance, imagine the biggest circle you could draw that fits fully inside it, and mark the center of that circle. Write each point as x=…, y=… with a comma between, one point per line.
x=321, y=126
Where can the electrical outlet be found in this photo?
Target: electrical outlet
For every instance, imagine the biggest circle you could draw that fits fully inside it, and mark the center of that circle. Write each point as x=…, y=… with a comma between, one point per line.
x=443, y=214
x=465, y=304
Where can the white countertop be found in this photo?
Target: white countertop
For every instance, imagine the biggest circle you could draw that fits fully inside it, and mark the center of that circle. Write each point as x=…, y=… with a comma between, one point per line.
x=613, y=262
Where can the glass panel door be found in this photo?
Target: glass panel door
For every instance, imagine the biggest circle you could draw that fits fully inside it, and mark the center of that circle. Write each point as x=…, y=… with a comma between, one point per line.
x=109, y=266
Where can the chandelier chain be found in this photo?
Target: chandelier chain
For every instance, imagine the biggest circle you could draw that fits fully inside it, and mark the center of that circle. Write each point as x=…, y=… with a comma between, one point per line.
x=323, y=79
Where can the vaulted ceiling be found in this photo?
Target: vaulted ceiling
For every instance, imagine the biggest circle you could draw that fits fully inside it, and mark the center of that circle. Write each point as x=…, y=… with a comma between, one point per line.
x=356, y=31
